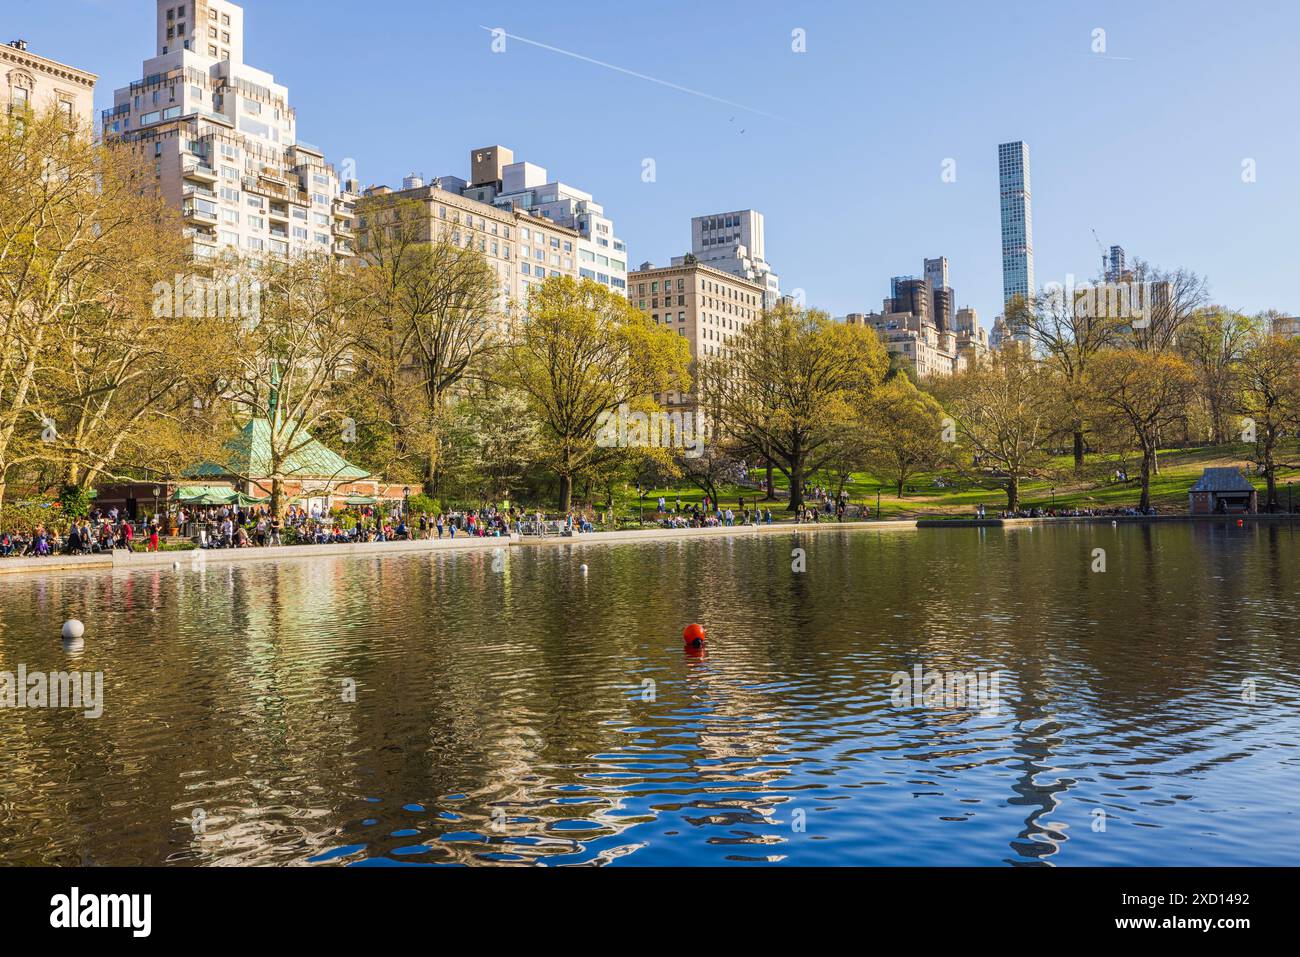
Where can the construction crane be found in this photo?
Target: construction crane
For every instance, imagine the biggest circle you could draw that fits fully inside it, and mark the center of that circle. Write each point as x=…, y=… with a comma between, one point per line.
x=1102, y=250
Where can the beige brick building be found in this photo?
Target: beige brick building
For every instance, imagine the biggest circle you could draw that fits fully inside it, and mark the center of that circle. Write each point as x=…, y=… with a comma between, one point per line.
x=28, y=81
x=929, y=350
x=709, y=308
x=523, y=249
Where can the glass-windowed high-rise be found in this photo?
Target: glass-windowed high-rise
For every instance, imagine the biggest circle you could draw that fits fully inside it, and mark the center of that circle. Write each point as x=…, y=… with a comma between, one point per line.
x=1017, y=221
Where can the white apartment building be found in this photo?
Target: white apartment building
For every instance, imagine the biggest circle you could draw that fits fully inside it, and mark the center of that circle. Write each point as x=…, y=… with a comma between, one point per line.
x=734, y=242
x=224, y=141
x=495, y=178
x=36, y=83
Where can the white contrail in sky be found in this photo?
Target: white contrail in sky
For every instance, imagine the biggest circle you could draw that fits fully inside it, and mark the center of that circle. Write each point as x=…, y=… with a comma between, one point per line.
x=639, y=76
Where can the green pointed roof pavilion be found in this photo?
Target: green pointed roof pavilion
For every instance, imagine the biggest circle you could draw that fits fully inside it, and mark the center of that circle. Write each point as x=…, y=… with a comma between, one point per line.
x=250, y=455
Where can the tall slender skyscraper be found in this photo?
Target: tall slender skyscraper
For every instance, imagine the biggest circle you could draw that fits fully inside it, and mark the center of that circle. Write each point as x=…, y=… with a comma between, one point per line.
x=1017, y=222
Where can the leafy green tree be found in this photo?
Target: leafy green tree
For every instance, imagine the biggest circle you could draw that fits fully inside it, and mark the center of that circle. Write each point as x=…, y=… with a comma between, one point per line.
x=581, y=353
x=903, y=432
x=793, y=382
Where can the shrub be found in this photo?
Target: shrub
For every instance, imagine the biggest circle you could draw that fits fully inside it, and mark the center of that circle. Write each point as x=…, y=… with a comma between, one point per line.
x=423, y=503
x=75, y=501
x=25, y=516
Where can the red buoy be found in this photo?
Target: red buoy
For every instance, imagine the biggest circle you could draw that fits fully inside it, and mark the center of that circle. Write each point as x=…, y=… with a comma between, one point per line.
x=693, y=635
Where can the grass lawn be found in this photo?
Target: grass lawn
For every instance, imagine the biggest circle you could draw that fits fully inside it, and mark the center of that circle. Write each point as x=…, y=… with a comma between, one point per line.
x=1061, y=487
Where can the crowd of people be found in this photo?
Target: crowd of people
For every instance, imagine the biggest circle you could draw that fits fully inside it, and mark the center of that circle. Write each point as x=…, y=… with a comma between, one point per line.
x=99, y=533
x=1130, y=511
x=227, y=526
x=238, y=526
x=820, y=505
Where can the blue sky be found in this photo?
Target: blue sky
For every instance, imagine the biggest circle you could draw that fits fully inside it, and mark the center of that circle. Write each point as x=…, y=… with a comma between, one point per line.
x=1145, y=143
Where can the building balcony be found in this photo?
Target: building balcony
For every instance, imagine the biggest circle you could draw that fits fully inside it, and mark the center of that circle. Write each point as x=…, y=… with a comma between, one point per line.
x=194, y=213
x=190, y=190
x=275, y=189
x=193, y=169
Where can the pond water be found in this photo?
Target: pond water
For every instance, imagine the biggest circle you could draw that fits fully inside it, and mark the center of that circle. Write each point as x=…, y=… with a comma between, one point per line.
x=478, y=709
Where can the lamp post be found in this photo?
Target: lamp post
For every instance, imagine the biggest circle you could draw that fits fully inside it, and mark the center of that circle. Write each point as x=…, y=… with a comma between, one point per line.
x=877, y=503
x=406, y=502
x=641, y=492
x=1290, y=507
x=156, y=492
x=1053, y=498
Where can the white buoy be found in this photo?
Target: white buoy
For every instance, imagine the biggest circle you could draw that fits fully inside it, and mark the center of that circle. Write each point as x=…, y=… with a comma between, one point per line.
x=584, y=569
x=1114, y=524
x=73, y=629
x=176, y=566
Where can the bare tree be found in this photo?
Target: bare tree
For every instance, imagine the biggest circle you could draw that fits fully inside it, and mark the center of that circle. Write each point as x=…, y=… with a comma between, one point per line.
x=438, y=317
x=1173, y=297
x=1068, y=326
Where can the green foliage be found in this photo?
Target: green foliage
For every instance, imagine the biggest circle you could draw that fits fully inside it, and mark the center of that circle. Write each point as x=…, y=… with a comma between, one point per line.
x=424, y=503
x=25, y=516
x=75, y=501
